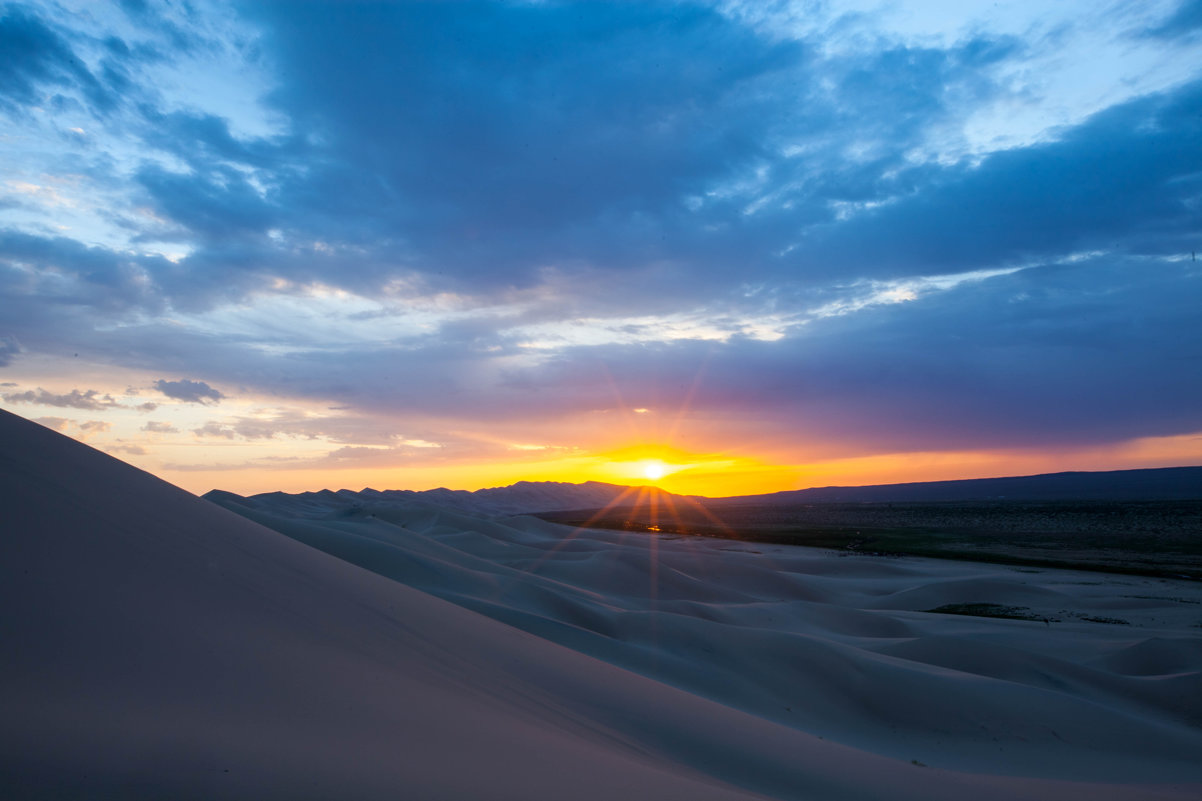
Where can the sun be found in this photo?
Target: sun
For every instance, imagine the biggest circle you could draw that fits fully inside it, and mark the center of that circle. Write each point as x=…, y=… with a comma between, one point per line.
x=654, y=469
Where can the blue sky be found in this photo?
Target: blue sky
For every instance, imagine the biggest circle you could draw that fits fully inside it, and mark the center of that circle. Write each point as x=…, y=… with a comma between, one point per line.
x=814, y=242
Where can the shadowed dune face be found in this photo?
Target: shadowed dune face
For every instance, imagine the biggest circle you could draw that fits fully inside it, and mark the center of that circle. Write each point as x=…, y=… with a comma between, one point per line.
x=157, y=645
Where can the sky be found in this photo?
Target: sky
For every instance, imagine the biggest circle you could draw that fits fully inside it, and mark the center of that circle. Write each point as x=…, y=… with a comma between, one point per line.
x=724, y=247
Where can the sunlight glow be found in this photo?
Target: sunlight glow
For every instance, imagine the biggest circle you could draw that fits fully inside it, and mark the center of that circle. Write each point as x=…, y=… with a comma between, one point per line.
x=654, y=469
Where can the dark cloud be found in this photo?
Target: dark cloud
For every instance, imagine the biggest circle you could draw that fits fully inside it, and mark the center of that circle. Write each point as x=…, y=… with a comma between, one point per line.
x=189, y=391
x=1186, y=19
x=36, y=57
x=481, y=145
x=156, y=427
x=220, y=206
x=1125, y=180
x=1098, y=350
x=477, y=150
x=1095, y=351
x=60, y=271
x=448, y=110
x=9, y=348
x=33, y=54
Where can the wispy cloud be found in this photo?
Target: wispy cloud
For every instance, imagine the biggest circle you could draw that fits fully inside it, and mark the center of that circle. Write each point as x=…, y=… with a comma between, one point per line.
x=75, y=399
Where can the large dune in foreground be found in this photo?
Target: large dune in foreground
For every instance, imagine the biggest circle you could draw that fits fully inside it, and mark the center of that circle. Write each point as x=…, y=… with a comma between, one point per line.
x=159, y=646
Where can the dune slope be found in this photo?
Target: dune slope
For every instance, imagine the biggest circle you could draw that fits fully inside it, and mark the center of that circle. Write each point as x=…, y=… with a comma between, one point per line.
x=159, y=646
x=1101, y=683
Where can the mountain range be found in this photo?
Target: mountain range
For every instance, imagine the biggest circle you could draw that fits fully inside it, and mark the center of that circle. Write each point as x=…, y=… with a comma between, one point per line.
x=526, y=497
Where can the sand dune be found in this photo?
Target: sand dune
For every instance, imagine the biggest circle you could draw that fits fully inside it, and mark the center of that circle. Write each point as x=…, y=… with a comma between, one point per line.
x=157, y=645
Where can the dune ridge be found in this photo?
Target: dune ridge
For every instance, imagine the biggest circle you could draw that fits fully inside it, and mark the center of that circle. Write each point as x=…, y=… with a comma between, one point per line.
x=160, y=646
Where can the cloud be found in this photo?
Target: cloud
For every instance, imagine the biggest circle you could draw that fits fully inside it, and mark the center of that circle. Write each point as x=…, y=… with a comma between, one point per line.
x=221, y=206
x=214, y=429
x=189, y=391
x=1044, y=201
x=265, y=463
x=37, y=56
x=1058, y=353
x=618, y=136
x=519, y=215
x=1185, y=20
x=362, y=431
x=9, y=348
x=63, y=425
x=337, y=459
x=156, y=427
x=57, y=423
x=135, y=8
x=60, y=271
x=89, y=399
x=731, y=146
x=361, y=456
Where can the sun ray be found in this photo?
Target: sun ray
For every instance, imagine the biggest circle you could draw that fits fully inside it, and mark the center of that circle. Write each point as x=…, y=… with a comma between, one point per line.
x=684, y=536
x=710, y=516
x=576, y=531
x=687, y=403
x=631, y=427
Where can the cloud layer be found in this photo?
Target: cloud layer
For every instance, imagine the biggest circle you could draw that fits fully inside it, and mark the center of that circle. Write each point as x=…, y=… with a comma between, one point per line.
x=838, y=229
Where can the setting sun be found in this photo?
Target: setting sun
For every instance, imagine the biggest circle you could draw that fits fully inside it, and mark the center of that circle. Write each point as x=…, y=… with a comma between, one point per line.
x=654, y=469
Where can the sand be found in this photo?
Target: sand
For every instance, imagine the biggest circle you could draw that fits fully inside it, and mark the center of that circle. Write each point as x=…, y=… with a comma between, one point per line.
x=157, y=645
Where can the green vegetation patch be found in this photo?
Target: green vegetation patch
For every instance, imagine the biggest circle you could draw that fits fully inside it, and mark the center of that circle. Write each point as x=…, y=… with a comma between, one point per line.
x=1142, y=538
x=988, y=610
x=1114, y=621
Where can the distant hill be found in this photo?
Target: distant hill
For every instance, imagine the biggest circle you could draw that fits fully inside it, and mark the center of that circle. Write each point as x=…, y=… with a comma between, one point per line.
x=520, y=498
x=1158, y=484
x=527, y=497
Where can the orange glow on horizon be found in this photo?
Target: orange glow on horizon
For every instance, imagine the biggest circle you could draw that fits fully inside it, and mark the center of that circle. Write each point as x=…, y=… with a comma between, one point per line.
x=706, y=474
x=631, y=442
x=670, y=469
